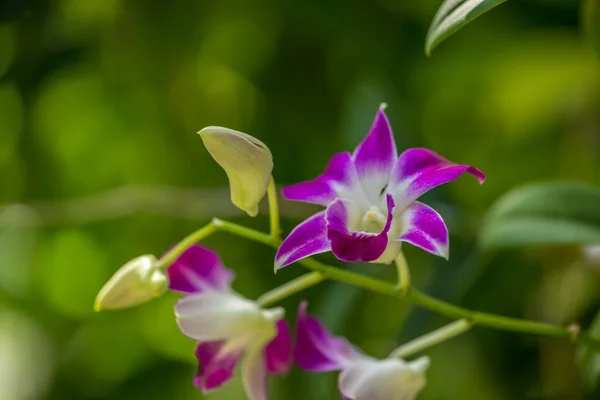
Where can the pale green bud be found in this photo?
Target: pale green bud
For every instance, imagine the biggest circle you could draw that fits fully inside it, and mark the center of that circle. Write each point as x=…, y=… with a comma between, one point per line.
x=138, y=281
x=247, y=162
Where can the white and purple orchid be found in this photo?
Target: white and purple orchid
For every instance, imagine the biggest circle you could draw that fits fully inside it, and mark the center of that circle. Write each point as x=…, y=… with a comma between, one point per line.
x=362, y=377
x=226, y=325
x=371, y=199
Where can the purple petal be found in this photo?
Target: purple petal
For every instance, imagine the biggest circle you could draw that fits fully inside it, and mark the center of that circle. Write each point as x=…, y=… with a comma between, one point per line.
x=316, y=349
x=279, y=351
x=339, y=173
x=216, y=367
x=425, y=228
x=308, y=238
x=197, y=270
x=419, y=170
x=374, y=158
x=355, y=246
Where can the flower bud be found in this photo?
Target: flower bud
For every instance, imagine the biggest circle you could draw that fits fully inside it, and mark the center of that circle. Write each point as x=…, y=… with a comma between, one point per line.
x=247, y=162
x=137, y=282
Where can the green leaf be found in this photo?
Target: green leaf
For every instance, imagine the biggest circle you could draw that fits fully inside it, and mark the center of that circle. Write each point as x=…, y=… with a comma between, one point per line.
x=552, y=213
x=453, y=15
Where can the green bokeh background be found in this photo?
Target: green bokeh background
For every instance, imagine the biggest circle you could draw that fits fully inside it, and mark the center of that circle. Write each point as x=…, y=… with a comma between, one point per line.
x=99, y=163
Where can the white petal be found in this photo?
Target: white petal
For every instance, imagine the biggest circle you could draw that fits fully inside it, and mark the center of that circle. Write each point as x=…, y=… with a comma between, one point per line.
x=220, y=316
x=390, y=379
x=254, y=374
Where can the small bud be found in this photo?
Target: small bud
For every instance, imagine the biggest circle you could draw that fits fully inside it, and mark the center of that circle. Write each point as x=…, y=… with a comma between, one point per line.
x=247, y=162
x=138, y=281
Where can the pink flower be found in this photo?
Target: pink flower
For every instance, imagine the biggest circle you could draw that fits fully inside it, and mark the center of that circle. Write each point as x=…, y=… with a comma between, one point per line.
x=361, y=377
x=371, y=202
x=226, y=325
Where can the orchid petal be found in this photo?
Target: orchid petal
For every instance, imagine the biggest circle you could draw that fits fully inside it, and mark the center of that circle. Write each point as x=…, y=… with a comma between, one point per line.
x=216, y=366
x=339, y=176
x=198, y=270
x=351, y=246
x=307, y=239
x=425, y=228
x=420, y=170
x=254, y=374
x=318, y=350
x=390, y=379
x=279, y=351
x=375, y=157
x=214, y=316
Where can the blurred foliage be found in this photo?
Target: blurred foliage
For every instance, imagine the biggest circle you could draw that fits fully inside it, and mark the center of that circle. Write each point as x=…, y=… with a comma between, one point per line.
x=550, y=213
x=99, y=94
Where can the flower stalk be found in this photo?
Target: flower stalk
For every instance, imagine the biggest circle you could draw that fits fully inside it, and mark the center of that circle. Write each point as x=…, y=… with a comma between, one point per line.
x=432, y=338
x=413, y=296
x=292, y=287
x=275, y=227
x=197, y=236
x=403, y=273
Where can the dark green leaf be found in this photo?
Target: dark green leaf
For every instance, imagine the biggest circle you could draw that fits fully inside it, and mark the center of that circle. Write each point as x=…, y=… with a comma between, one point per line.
x=453, y=15
x=542, y=214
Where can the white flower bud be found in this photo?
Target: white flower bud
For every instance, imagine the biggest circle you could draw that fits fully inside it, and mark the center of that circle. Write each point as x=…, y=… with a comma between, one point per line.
x=138, y=281
x=247, y=162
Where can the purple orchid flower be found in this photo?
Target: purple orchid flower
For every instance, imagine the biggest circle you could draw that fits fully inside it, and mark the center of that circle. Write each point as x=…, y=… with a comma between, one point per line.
x=226, y=325
x=362, y=377
x=371, y=199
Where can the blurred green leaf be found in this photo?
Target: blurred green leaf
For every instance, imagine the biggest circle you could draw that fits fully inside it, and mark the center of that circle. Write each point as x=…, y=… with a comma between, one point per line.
x=544, y=213
x=453, y=15
x=590, y=18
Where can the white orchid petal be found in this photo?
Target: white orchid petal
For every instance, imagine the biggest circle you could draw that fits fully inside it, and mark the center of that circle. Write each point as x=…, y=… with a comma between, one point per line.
x=254, y=374
x=219, y=316
x=390, y=379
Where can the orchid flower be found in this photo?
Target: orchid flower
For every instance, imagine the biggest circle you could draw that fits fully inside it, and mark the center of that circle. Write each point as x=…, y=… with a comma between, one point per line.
x=362, y=377
x=226, y=325
x=371, y=199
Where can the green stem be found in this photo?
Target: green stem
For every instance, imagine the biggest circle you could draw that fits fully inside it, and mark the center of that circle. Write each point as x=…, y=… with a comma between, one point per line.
x=403, y=273
x=207, y=230
x=432, y=338
x=275, y=227
x=244, y=232
x=412, y=295
x=279, y=293
x=195, y=237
